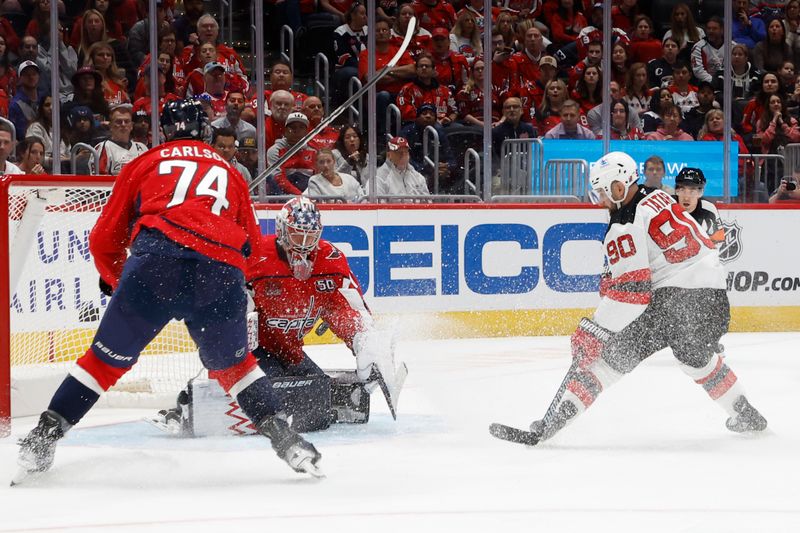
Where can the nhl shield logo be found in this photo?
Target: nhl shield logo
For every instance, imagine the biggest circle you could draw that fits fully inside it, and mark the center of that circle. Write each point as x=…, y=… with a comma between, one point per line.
x=731, y=247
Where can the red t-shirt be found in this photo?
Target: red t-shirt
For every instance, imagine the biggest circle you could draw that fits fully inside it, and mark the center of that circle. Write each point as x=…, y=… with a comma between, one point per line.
x=185, y=190
x=441, y=15
x=387, y=83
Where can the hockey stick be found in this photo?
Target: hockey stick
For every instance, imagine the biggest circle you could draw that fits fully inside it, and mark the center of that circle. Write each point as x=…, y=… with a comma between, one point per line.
x=339, y=110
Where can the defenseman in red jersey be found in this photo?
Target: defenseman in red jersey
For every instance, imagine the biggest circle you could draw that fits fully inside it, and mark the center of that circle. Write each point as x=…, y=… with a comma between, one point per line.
x=188, y=220
x=665, y=287
x=296, y=280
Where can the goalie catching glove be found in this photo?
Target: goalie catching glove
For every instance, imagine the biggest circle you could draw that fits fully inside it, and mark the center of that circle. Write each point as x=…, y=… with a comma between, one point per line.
x=375, y=360
x=588, y=342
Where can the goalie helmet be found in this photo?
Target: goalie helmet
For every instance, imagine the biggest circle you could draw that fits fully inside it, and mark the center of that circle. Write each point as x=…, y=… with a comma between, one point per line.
x=184, y=119
x=614, y=166
x=298, y=228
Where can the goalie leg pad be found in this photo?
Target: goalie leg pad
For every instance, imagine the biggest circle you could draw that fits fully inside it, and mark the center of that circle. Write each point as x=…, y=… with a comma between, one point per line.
x=350, y=398
x=306, y=399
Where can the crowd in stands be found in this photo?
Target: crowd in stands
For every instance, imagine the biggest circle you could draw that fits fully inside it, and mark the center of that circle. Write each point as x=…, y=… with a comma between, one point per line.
x=666, y=82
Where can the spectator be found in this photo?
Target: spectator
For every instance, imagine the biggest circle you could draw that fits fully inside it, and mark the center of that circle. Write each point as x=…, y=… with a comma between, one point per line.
x=186, y=24
x=432, y=14
x=786, y=77
x=8, y=75
x=114, y=84
x=619, y=63
x=139, y=36
x=654, y=172
x=24, y=107
x=791, y=17
x=707, y=53
x=164, y=96
x=652, y=120
x=67, y=64
x=624, y=15
x=555, y=94
x=28, y=49
x=470, y=99
x=644, y=47
x=712, y=131
x=566, y=23
x=6, y=148
x=477, y=8
x=315, y=112
x=348, y=41
x=119, y=150
x=744, y=76
x=330, y=182
x=620, y=123
x=396, y=176
x=465, y=38
x=659, y=71
x=281, y=103
x=351, y=153
x=747, y=30
x=8, y=34
x=80, y=129
x=776, y=127
x=281, y=78
x=414, y=134
x=528, y=59
x=89, y=93
x=670, y=128
x=30, y=152
x=42, y=128
x=112, y=25
x=771, y=53
x=511, y=126
x=451, y=67
x=94, y=32
x=195, y=80
x=784, y=194
x=141, y=128
x=589, y=89
x=755, y=107
x=234, y=105
x=695, y=118
x=208, y=32
x=684, y=95
x=426, y=89
x=637, y=93
x=505, y=27
x=223, y=141
x=167, y=68
x=39, y=18
x=214, y=88
x=292, y=178
x=548, y=71
x=594, y=56
x=569, y=127
x=683, y=28
x=336, y=8
x=420, y=40
x=247, y=152
x=594, y=117
x=504, y=70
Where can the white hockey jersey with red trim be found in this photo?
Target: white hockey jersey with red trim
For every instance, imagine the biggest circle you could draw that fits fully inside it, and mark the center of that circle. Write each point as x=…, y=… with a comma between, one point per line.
x=112, y=157
x=652, y=243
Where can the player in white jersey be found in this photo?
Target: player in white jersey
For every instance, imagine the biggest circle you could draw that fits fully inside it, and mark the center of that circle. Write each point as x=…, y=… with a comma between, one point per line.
x=664, y=286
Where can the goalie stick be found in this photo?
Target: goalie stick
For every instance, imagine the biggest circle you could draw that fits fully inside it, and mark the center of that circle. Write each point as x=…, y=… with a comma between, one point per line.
x=339, y=110
x=530, y=438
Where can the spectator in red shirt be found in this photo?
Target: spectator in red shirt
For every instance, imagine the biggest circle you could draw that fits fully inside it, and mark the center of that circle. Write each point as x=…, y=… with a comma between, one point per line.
x=420, y=41
x=644, y=47
x=555, y=94
x=164, y=95
x=208, y=32
x=470, y=98
x=755, y=107
x=281, y=103
x=8, y=77
x=115, y=90
x=315, y=111
x=594, y=55
x=624, y=13
x=451, y=67
x=548, y=71
x=8, y=33
x=113, y=26
x=426, y=89
x=433, y=14
x=504, y=71
x=566, y=24
x=528, y=59
x=293, y=176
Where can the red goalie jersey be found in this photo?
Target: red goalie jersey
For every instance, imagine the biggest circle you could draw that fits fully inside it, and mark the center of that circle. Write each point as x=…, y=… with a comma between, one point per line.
x=288, y=307
x=651, y=243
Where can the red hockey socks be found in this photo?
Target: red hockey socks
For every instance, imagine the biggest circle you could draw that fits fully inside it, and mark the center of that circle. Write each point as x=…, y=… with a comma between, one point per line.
x=719, y=382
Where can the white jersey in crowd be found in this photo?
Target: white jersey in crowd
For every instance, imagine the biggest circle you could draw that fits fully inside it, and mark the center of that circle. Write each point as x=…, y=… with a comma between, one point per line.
x=350, y=189
x=112, y=157
x=391, y=180
x=653, y=243
x=11, y=168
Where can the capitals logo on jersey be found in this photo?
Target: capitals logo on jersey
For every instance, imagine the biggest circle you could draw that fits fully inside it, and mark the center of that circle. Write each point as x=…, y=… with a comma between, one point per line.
x=303, y=324
x=731, y=248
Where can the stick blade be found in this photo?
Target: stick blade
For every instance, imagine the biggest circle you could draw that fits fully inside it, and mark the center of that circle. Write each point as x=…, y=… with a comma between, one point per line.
x=512, y=434
x=391, y=391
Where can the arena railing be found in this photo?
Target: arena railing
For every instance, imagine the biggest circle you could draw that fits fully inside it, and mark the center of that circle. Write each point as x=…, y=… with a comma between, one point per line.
x=520, y=160
x=563, y=177
x=73, y=157
x=287, y=51
x=393, y=127
x=323, y=88
x=791, y=159
x=762, y=174
x=534, y=199
x=355, y=110
x=387, y=198
x=474, y=185
x=428, y=133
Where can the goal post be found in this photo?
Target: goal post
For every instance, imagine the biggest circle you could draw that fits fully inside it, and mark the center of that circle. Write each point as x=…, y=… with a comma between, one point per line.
x=50, y=302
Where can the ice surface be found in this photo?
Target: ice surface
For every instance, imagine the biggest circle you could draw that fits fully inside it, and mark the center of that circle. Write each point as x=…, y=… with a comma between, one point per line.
x=652, y=455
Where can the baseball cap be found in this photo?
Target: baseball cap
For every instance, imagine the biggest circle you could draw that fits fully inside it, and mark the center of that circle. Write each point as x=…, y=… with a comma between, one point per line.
x=426, y=107
x=85, y=70
x=296, y=117
x=395, y=143
x=597, y=5
x=247, y=141
x=211, y=66
x=77, y=113
x=440, y=32
x=26, y=64
x=548, y=60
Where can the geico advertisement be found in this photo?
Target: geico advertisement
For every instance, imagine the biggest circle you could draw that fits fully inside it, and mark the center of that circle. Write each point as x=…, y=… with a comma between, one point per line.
x=433, y=259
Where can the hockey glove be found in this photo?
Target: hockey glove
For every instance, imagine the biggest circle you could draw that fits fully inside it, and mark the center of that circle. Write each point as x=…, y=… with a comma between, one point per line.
x=105, y=288
x=375, y=362
x=588, y=342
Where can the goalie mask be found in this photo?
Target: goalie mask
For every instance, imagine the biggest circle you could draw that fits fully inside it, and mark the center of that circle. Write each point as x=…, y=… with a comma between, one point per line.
x=614, y=166
x=184, y=119
x=298, y=228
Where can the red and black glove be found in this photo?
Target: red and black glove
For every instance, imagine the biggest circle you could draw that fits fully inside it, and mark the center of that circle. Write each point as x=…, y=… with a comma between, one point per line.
x=588, y=342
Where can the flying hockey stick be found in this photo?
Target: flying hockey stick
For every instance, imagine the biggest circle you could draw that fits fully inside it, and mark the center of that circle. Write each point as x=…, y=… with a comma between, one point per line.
x=339, y=110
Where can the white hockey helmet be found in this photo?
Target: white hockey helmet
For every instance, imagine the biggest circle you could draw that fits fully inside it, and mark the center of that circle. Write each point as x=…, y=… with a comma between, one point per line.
x=614, y=166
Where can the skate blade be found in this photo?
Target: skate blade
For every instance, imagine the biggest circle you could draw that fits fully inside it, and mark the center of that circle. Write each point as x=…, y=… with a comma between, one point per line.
x=308, y=467
x=173, y=429
x=24, y=475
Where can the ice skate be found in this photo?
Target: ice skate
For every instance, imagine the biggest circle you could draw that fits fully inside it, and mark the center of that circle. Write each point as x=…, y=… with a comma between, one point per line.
x=748, y=419
x=38, y=448
x=169, y=421
x=545, y=429
x=298, y=453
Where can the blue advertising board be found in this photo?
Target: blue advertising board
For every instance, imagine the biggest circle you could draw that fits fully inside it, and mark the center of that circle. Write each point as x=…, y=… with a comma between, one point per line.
x=705, y=155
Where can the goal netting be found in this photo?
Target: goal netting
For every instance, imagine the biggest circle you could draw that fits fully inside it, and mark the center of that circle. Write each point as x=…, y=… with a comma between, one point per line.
x=54, y=303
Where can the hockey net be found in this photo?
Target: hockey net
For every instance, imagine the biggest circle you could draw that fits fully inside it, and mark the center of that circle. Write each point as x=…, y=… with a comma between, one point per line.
x=51, y=302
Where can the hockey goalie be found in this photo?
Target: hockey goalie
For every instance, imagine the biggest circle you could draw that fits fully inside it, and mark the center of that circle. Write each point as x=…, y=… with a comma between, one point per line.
x=297, y=279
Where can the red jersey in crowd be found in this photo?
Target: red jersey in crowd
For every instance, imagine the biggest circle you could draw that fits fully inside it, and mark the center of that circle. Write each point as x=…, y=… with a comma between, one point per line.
x=185, y=190
x=451, y=70
x=470, y=102
x=143, y=103
x=413, y=95
x=440, y=15
x=288, y=308
x=325, y=139
x=387, y=83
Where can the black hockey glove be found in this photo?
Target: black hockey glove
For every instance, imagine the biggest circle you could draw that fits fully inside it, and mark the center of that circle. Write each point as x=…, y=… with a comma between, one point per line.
x=105, y=288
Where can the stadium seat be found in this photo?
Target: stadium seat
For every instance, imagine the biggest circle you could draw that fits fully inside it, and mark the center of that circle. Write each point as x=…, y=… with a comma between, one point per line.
x=709, y=8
